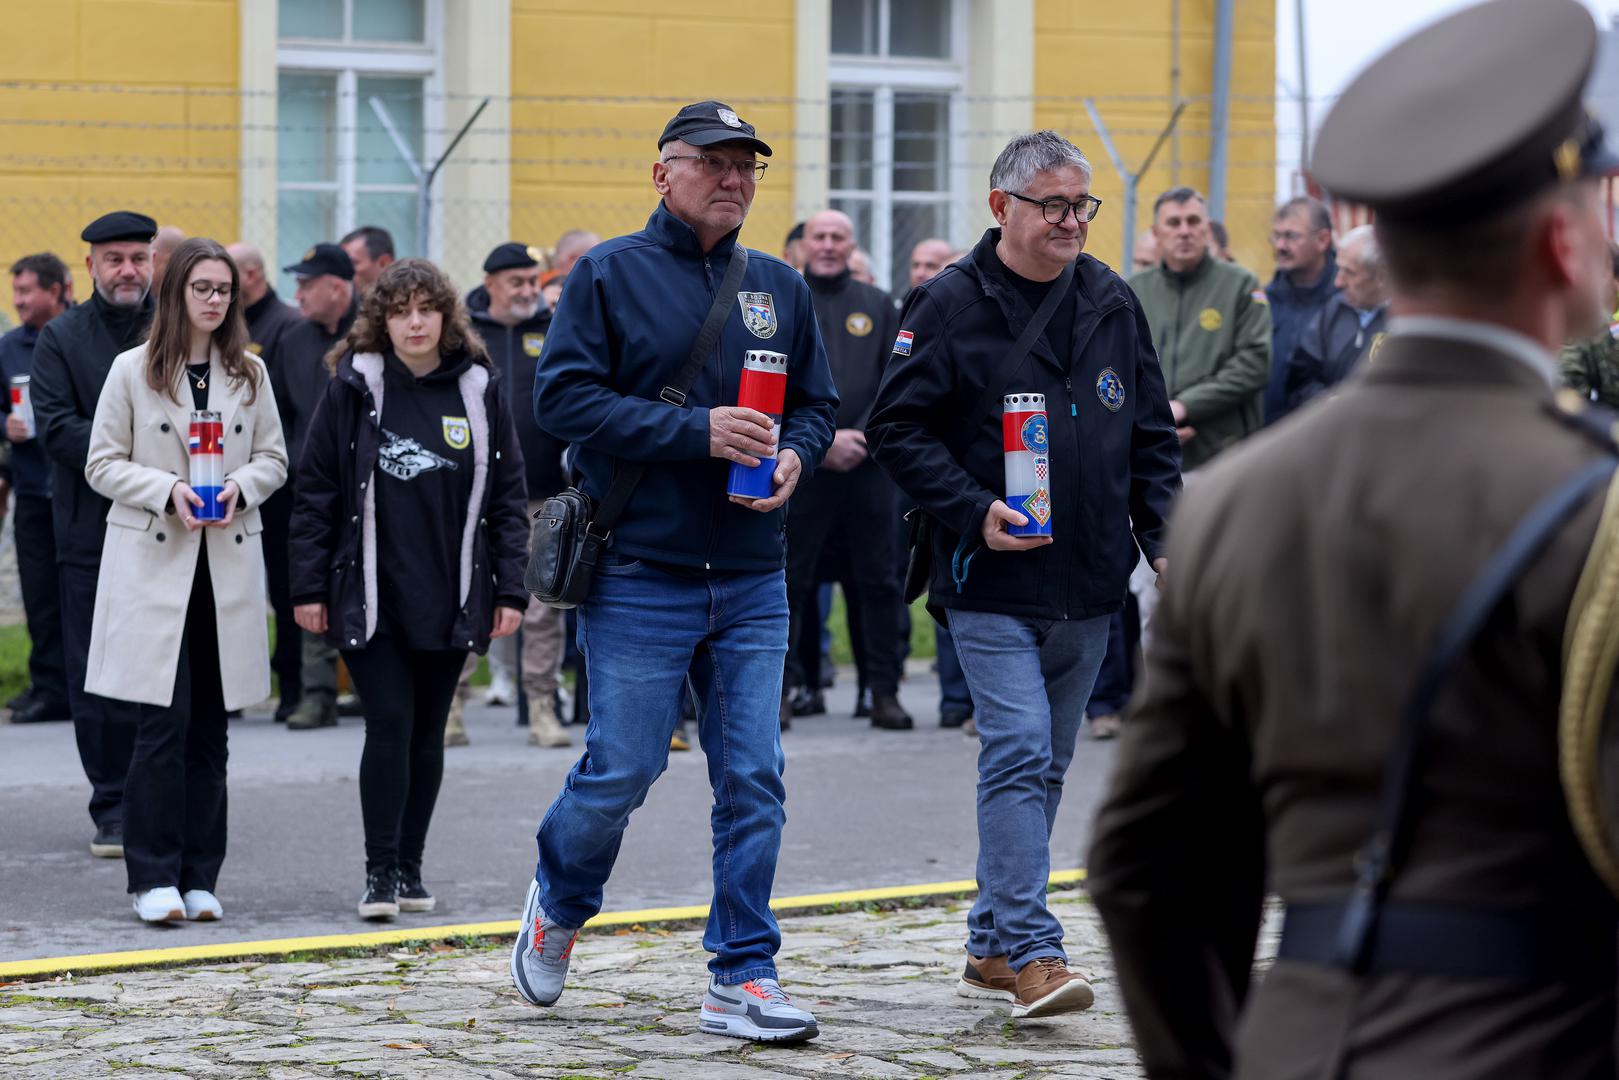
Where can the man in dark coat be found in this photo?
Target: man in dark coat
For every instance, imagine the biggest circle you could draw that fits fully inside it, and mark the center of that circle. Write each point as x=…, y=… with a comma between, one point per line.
x=1444, y=914
x=1306, y=278
x=71, y=360
x=1351, y=326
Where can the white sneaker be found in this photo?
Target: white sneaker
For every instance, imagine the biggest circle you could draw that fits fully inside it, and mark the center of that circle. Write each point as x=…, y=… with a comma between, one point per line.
x=160, y=905
x=203, y=906
x=502, y=690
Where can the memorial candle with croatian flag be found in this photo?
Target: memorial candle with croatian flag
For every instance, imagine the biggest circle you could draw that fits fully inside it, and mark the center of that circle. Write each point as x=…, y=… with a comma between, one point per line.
x=1026, y=439
x=763, y=388
x=208, y=463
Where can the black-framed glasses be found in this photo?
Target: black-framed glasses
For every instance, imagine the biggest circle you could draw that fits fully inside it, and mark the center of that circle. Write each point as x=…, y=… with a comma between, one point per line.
x=715, y=167
x=1056, y=211
x=202, y=290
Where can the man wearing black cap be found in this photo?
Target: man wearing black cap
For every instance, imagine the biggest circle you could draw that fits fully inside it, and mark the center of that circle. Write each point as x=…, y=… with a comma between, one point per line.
x=512, y=319
x=327, y=299
x=692, y=580
x=1324, y=717
x=71, y=360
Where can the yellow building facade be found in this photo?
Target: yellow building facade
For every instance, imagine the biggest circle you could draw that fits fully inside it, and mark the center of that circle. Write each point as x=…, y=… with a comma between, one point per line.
x=283, y=122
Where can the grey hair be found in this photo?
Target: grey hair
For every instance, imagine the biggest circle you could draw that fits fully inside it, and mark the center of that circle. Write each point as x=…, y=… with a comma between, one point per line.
x=1320, y=216
x=1177, y=195
x=1371, y=254
x=1026, y=156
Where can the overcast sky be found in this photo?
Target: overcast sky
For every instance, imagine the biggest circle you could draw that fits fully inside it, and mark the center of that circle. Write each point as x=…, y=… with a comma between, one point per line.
x=1341, y=37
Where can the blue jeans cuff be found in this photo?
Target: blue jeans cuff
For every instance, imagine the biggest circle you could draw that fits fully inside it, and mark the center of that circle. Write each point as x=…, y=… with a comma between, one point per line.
x=550, y=913
x=737, y=978
x=1036, y=953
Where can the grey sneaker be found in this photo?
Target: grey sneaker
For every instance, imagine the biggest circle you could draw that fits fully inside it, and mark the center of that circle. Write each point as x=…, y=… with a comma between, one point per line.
x=758, y=1009
x=540, y=956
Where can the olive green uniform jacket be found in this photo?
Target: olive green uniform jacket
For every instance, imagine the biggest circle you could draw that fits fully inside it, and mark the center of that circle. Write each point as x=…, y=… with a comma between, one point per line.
x=1592, y=367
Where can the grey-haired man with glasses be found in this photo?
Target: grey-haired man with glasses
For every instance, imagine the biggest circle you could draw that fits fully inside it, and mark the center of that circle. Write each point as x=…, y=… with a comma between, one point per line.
x=1029, y=613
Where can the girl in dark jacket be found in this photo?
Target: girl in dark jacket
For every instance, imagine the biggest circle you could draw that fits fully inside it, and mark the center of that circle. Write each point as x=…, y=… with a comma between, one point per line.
x=408, y=541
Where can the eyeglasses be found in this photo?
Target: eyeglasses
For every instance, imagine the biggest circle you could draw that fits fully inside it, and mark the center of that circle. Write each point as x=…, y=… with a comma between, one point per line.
x=715, y=168
x=1056, y=211
x=203, y=290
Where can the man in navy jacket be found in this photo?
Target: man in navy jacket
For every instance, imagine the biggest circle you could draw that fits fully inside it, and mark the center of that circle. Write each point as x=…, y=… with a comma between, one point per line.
x=693, y=580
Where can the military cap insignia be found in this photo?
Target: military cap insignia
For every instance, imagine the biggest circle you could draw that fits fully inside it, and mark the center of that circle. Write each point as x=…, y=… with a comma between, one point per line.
x=309, y=255
x=858, y=324
x=1110, y=390
x=533, y=343
x=758, y=313
x=729, y=118
x=1567, y=159
x=1210, y=319
x=535, y=253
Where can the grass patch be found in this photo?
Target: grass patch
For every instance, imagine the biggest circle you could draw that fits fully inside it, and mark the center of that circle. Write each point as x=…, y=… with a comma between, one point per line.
x=14, y=649
x=922, y=627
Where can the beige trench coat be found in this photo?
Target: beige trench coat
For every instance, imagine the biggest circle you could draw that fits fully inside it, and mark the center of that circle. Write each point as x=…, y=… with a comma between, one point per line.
x=138, y=449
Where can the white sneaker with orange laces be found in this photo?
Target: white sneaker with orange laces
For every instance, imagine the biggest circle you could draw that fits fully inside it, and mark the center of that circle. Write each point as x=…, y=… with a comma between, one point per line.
x=758, y=1009
x=541, y=954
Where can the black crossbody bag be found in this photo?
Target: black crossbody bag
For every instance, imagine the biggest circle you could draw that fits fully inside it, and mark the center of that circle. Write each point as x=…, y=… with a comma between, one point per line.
x=570, y=531
x=919, y=563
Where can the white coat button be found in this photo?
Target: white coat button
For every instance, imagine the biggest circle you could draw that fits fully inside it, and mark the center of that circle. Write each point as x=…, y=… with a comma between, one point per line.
x=353, y=641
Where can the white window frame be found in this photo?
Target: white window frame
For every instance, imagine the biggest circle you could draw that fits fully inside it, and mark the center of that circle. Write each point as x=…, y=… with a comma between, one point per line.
x=883, y=76
x=348, y=61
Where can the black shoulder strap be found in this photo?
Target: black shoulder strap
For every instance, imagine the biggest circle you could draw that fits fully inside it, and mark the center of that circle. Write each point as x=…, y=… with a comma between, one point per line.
x=1012, y=361
x=629, y=473
x=1377, y=861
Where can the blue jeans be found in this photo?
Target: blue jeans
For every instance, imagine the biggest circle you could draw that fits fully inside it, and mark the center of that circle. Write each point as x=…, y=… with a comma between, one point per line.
x=641, y=631
x=1029, y=680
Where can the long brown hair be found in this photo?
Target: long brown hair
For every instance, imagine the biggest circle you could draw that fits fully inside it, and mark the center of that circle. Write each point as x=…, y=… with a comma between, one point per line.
x=168, y=342
x=393, y=290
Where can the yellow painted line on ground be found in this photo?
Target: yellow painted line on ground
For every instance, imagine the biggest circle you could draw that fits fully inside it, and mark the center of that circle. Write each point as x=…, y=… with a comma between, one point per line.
x=233, y=950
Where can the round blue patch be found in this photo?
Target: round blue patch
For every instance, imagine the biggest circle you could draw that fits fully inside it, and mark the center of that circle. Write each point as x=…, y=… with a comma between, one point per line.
x=1036, y=437
x=1110, y=389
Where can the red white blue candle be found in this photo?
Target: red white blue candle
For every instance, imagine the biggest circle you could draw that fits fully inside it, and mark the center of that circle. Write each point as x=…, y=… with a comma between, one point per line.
x=21, y=404
x=207, y=445
x=764, y=389
x=1026, y=439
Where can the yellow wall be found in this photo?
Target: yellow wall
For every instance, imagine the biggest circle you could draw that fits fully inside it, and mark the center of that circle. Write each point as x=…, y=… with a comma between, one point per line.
x=589, y=164
x=91, y=157
x=1122, y=51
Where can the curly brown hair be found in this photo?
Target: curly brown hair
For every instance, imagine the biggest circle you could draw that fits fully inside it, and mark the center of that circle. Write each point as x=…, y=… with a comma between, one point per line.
x=403, y=280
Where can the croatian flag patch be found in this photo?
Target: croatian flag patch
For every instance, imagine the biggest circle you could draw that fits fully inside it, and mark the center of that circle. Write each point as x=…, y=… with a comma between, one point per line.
x=902, y=344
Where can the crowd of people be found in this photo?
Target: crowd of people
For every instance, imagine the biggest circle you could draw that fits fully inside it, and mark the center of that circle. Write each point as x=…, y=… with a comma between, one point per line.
x=386, y=449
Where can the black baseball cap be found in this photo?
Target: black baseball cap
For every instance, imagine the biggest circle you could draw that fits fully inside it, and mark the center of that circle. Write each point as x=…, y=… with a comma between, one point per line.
x=119, y=225
x=512, y=256
x=323, y=259
x=710, y=122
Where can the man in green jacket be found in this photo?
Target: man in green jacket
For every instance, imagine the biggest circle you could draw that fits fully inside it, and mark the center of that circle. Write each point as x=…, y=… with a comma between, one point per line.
x=1211, y=325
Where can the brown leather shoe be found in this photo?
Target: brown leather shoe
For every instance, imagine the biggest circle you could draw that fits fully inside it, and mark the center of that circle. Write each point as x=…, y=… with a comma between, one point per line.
x=1045, y=987
x=889, y=714
x=988, y=978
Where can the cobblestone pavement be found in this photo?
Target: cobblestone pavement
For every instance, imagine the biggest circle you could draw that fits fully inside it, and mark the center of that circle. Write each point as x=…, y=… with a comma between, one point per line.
x=882, y=985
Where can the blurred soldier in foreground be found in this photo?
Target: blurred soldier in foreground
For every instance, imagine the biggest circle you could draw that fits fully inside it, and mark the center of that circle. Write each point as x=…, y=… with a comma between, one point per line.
x=1591, y=365
x=1352, y=698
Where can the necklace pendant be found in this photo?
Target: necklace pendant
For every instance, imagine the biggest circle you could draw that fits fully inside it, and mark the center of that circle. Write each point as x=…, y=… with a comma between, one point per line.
x=202, y=384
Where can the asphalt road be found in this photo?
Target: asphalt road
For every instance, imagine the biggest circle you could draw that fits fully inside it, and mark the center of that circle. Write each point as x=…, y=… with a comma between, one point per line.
x=865, y=808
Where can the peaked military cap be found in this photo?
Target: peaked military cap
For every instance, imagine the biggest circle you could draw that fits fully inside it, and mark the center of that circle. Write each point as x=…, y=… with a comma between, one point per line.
x=323, y=259
x=119, y=225
x=1468, y=117
x=512, y=256
x=708, y=122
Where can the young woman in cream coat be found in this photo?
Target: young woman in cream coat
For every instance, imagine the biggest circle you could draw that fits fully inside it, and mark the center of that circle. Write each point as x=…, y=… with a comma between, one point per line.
x=179, y=625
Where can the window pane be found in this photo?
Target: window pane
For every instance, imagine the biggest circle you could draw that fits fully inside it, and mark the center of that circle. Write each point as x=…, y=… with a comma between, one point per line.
x=389, y=20
x=306, y=127
x=919, y=28
x=851, y=130
x=854, y=27
x=302, y=220
x=921, y=142
x=913, y=223
x=859, y=211
x=311, y=19
x=379, y=159
x=396, y=213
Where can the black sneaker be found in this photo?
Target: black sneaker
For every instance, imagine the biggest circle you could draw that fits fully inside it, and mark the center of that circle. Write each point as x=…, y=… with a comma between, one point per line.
x=953, y=716
x=109, y=841
x=413, y=895
x=808, y=702
x=21, y=701
x=380, y=901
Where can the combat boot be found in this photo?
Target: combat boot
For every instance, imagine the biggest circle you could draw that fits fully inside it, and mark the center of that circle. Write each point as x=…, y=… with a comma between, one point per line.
x=455, y=725
x=313, y=711
x=544, y=729
x=888, y=713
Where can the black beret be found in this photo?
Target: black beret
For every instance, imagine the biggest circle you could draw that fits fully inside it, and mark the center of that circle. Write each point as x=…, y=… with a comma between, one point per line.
x=119, y=225
x=1468, y=117
x=512, y=256
x=796, y=232
x=323, y=259
x=710, y=122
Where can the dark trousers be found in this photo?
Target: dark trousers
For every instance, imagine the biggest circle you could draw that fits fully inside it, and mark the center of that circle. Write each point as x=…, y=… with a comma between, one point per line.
x=406, y=694
x=103, y=728
x=287, y=661
x=41, y=599
x=953, y=690
x=174, y=800
x=858, y=507
x=1116, y=679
